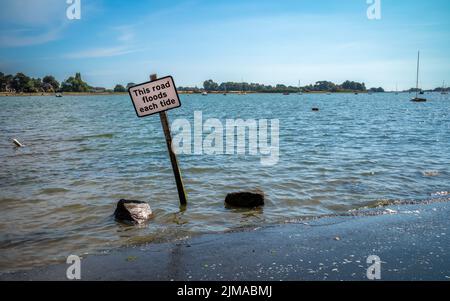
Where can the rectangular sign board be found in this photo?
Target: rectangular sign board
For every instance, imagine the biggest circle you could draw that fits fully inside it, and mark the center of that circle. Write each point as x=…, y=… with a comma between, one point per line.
x=154, y=96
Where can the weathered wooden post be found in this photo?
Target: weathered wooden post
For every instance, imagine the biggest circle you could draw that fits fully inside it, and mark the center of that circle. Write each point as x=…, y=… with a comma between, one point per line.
x=172, y=155
x=158, y=96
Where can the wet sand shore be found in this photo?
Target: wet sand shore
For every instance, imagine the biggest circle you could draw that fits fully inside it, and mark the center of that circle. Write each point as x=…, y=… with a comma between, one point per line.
x=412, y=241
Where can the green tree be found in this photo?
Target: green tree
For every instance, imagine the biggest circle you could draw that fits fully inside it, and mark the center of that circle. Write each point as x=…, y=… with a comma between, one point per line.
x=119, y=88
x=353, y=86
x=210, y=85
x=50, y=83
x=324, y=86
x=376, y=90
x=36, y=85
x=75, y=84
x=20, y=82
x=130, y=85
x=2, y=82
x=5, y=82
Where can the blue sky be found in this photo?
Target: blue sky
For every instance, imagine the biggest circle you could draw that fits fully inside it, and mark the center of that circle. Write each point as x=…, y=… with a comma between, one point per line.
x=261, y=41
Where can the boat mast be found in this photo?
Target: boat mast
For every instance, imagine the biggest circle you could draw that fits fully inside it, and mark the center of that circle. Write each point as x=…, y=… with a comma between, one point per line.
x=417, y=77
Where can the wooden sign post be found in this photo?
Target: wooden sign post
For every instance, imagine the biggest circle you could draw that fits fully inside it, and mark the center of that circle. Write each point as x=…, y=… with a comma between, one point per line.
x=158, y=96
x=172, y=155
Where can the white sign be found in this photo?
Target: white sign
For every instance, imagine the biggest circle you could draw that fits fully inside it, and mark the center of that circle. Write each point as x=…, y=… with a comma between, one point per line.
x=154, y=96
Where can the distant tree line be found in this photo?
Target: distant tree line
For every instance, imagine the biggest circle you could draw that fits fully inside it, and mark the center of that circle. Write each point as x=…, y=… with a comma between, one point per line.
x=320, y=86
x=376, y=90
x=21, y=83
x=438, y=89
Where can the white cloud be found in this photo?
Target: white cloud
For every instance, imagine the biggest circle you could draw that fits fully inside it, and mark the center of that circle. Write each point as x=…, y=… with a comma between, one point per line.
x=124, y=36
x=100, y=52
x=32, y=13
x=28, y=37
x=27, y=22
x=126, y=33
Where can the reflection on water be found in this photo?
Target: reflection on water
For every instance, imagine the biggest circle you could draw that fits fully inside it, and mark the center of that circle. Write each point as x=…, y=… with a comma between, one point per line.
x=83, y=154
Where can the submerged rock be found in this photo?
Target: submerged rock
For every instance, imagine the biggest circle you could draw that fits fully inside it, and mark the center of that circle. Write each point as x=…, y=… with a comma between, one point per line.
x=134, y=212
x=245, y=199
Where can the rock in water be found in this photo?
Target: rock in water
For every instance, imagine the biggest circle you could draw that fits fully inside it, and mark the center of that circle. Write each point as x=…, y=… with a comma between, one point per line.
x=245, y=199
x=134, y=212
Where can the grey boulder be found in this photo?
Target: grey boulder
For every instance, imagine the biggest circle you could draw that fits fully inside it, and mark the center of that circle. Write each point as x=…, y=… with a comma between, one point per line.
x=132, y=212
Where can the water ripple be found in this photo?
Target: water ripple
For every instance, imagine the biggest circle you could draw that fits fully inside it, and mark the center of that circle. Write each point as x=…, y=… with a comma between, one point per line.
x=58, y=193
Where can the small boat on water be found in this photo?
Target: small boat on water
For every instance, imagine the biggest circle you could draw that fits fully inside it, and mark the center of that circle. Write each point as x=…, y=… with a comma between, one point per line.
x=286, y=93
x=204, y=93
x=418, y=99
x=58, y=95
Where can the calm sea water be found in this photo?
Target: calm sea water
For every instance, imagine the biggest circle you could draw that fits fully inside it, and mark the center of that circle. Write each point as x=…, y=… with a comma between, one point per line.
x=83, y=154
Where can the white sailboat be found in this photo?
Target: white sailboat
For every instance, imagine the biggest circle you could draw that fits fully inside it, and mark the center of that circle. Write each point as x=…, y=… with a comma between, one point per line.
x=418, y=99
x=242, y=92
x=444, y=91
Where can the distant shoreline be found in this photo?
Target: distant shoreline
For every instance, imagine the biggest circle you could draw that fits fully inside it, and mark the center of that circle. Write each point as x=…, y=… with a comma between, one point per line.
x=6, y=94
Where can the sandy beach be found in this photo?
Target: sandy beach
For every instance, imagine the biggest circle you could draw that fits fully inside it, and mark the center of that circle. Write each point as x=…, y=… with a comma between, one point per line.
x=410, y=240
